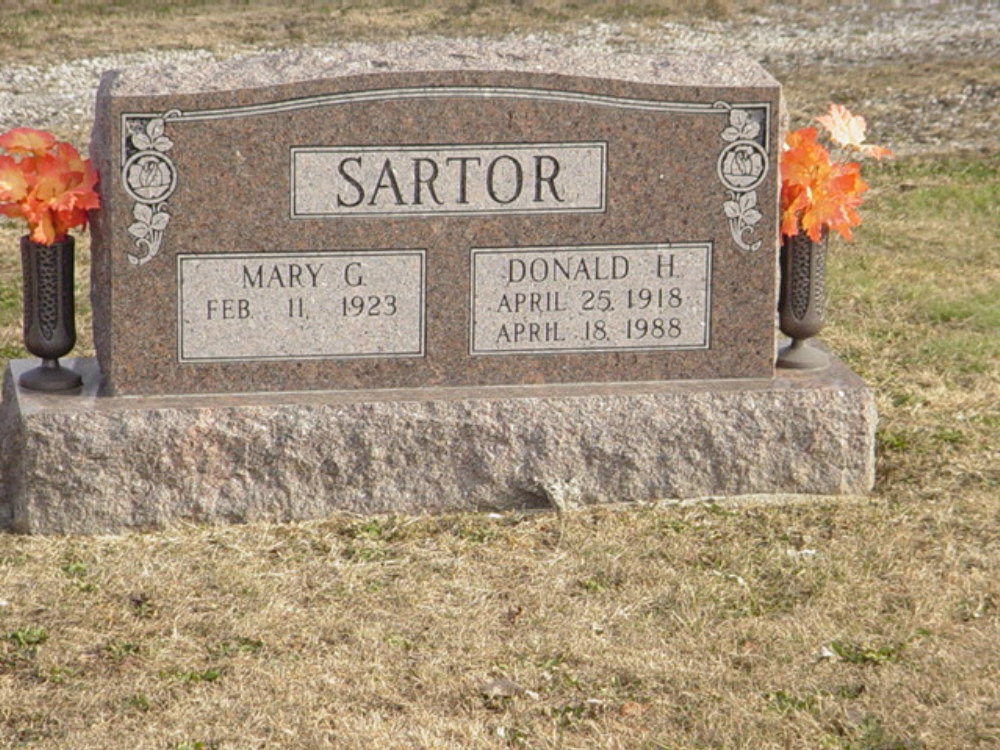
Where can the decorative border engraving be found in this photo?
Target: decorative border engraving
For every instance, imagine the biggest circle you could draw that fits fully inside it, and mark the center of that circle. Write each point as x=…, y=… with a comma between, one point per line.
x=150, y=176
x=742, y=167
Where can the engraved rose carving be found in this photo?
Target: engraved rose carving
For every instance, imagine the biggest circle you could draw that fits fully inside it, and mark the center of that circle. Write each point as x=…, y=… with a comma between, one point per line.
x=743, y=165
x=150, y=177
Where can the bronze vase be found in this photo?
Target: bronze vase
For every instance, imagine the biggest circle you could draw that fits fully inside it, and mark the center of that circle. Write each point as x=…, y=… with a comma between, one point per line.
x=802, y=300
x=49, y=313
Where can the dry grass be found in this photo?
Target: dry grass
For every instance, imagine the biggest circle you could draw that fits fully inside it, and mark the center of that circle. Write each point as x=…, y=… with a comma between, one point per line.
x=85, y=26
x=861, y=625
x=916, y=312
x=669, y=627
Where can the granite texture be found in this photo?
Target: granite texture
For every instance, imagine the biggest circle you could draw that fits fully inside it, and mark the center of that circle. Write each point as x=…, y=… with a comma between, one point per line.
x=302, y=65
x=89, y=464
x=200, y=160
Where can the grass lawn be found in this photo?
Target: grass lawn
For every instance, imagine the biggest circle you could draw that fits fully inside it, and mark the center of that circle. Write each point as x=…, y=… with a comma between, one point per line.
x=861, y=624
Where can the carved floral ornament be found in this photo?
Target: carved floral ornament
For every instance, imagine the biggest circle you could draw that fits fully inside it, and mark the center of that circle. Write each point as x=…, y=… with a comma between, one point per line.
x=742, y=167
x=150, y=177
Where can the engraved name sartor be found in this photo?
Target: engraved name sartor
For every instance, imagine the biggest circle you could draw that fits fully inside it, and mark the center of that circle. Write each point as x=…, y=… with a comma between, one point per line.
x=345, y=181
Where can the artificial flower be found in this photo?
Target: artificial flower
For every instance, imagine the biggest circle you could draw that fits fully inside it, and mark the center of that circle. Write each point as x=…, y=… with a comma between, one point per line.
x=45, y=182
x=848, y=131
x=13, y=185
x=820, y=193
x=27, y=141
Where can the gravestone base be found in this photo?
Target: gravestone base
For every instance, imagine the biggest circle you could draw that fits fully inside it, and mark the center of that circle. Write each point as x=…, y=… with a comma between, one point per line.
x=84, y=463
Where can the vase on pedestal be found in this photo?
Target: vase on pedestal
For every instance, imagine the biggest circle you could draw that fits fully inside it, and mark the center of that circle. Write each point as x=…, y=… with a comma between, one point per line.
x=49, y=312
x=802, y=300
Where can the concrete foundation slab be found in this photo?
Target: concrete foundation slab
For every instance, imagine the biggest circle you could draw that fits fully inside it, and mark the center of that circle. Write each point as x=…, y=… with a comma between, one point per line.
x=87, y=464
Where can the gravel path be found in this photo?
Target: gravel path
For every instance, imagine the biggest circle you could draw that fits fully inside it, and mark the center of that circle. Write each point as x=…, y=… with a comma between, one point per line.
x=954, y=112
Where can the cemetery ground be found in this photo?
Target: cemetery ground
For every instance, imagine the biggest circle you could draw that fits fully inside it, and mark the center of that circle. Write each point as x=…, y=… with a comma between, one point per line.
x=767, y=623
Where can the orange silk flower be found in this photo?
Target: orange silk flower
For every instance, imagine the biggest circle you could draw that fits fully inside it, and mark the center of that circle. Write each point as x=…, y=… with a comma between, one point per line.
x=46, y=183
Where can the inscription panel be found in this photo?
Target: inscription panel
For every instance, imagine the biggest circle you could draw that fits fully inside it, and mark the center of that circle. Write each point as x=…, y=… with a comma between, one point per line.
x=447, y=180
x=583, y=299
x=320, y=305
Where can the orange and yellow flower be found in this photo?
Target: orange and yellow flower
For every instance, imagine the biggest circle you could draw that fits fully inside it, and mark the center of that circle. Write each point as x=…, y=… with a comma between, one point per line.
x=46, y=183
x=819, y=193
x=848, y=131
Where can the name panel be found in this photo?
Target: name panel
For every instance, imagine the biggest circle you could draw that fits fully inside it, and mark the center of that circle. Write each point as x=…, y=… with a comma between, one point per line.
x=584, y=299
x=443, y=180
x=317, y=305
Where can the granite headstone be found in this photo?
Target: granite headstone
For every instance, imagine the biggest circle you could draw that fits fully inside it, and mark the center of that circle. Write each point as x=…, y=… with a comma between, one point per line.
x=424, y=277
x=453, y=215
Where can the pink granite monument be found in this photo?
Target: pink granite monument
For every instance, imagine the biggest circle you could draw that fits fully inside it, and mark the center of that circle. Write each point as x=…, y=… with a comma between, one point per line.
x=432, y=276
x=453, y=216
